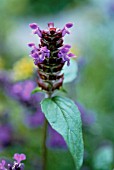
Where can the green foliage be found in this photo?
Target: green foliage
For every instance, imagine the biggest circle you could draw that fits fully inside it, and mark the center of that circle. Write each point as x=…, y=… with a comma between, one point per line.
x=70, y=73
x=37, y=89
x=103, y=158
x=64, y=117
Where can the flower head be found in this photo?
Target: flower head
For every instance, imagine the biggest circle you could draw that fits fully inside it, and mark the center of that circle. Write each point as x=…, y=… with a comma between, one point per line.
x=50, y=55
x=17, y=165
x=51, y=43
x=19, y=157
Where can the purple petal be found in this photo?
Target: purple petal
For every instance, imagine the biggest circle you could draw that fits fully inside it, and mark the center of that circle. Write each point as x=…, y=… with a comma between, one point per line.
x=36, y=61
x=33, y=51
x=65, y=31
x=34, y=55
x=51, y=25
x=33, y=26
x=31, y=44
x=3, y=162
x=22, y=157
x=48, y=54
x=71, y=55
x=64, y=50
x=42, y=57
x=38, y=32
x=59, y=54
x=19, y=157
x=44, y=49
x=69, y=25
x=67, y=46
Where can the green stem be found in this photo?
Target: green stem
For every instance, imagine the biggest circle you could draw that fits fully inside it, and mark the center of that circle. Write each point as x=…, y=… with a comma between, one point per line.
x=44, y=152
x=44, y=148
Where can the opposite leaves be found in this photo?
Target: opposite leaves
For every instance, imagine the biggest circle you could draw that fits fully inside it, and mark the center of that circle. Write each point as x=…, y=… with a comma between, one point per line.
x=64, y=117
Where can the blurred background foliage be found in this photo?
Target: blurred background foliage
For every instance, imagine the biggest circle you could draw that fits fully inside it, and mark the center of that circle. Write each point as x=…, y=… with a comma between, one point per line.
x=20, y=115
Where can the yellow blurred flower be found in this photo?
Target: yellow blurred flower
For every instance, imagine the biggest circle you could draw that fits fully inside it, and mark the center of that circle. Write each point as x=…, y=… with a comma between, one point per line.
x=23, y=68
x=75, y=51
x=1, y=63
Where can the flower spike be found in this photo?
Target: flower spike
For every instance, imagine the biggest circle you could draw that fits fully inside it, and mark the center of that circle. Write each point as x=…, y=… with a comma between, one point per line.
x=50, y=55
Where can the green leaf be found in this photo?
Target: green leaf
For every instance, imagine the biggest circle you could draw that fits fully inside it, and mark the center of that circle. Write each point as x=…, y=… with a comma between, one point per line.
x=103, y=158
x=64, y=117
x=62, y=90
x=70, y=72
x=37, y=89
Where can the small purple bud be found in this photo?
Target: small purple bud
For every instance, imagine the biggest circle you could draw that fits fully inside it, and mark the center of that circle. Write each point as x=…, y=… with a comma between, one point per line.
x=33, y=26
x=69, y=25
x=31, y=44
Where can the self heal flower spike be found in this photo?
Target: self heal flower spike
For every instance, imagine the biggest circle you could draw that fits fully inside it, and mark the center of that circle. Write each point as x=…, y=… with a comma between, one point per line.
x=50, y=55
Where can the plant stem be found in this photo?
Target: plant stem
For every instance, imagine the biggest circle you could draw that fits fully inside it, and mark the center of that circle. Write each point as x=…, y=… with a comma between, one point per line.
x=44, y=152
x=44, y=148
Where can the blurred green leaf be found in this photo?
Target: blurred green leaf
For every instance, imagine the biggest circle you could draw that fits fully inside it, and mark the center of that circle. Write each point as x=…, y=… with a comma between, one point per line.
x=103, y=158
x=70, y=72
x=63, y=90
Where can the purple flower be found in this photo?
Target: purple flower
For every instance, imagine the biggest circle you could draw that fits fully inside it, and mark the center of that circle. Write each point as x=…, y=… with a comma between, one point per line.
x=5, y=135
x=5, y=80
x=17, y=165
x=33, y=26
x=43, y=52
x=35, y=119
x=36, y=29
x=19, y=157
x=22, y=90
x=31, y=44
x=39, y=54
x=64, y=55
x=50, y=55
x=65, y=30
x=69, y=25
x=55, y=140
x=2, y=165
x=88, y=117
x=111, y=9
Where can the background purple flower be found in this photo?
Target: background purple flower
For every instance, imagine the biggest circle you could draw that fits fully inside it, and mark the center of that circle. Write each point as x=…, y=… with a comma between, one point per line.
x=6, y=131
x=88, y=117
x=55, y=140
x=34, y=120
